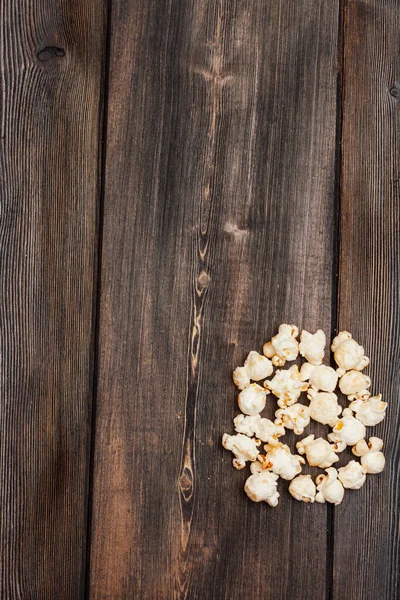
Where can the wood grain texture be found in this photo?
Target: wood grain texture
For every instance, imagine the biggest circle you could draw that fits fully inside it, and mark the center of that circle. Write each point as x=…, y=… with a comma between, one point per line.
x=218, y=226
x=50, y=81
x=366, y=555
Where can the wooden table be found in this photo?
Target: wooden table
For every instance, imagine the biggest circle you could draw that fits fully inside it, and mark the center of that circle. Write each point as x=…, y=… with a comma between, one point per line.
x=179, y=177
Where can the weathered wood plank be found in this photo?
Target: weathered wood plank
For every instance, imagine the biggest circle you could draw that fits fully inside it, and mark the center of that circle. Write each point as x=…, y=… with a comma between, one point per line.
x=50, y=82
x=218, y=226
x=366, y=555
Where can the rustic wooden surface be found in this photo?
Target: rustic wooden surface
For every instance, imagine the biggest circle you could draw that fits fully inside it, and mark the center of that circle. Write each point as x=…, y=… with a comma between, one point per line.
x=50, y=78
x=177, y=179
x=366, y=552
x=219, y=224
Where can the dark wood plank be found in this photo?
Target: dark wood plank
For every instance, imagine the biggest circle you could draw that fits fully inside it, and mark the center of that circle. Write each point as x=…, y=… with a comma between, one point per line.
x=366, y=556
x=51, y=62
x=218, y=226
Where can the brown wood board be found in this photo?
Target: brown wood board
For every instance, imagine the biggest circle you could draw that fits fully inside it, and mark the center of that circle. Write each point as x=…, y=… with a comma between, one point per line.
x=50, y=84
x=366, y=524
x=219, y=224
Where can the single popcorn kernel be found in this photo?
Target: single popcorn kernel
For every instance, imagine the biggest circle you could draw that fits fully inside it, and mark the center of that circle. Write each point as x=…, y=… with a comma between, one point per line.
x=303, y=489
x=286, y=385
x=252, y=399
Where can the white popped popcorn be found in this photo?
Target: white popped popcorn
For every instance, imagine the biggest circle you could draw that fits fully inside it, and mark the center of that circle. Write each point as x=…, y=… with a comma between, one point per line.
x=324, y=407
x=319, y=452
x=312, y=346
x=303, y=488
x=283, y=346
x=261, y=487
x=372, y=459
x=347, y=353
x=252, y=399
x=370, y=411
x=330, y=488
x=323, y=378
x=281, y=461
x=243, y=448
x=348, y=431
x=286, y=385
x=305, y=371
x=241, y=378
x=296, y=417
x=320, y=382
x=258, y=367
x=354, y=384
x=264, y=429
x=353, y=475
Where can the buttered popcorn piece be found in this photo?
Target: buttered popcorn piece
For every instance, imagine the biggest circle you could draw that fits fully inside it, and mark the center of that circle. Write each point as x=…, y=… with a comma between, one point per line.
x=281, y=461
x=348, y=431
x=295, y=417
x=323, y=378
x=372, y=459
x=312, y=346
x=305, y=371
x=243, y=448
x=283, y=346
x=347, y=353
x=324, y=407
x=252, y=399
x=241, y=377
x=264, y=429
x=286, y=385
x=354, y=385
x=303, y=489
x=330, y=488
x=319, y=452
x=352, y=476
x=262, y=487
x=370, y=411
x=258, y=367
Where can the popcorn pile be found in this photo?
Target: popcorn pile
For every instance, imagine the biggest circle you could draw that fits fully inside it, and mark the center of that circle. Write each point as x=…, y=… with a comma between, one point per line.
x=319, y=382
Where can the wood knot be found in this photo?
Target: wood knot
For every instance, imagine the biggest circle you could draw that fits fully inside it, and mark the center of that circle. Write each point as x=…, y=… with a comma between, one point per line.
x=394, y=91
x=203, y=279
x=186, y=483
x=49, y=52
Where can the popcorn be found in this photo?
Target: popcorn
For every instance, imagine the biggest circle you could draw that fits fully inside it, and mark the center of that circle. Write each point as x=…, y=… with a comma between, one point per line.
x=324, y=407
x=312, y=346
x=262, y=487
x=323, y=378
x=354, y=384
x=305, y=371
x=347, y=353
x=286, y=385
x=252, y=399
x=303, y=488
x=319, y=452
x=320, y=382
x=281, y=461
x=352, y=476
x=330, y=489
x=264, y=429
x=371, y=411
x=283, y=346
x=295, y=417
x=243, y=448
x=258, y=367
x=372, y=459
x=241, y=377
x=348, y=431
